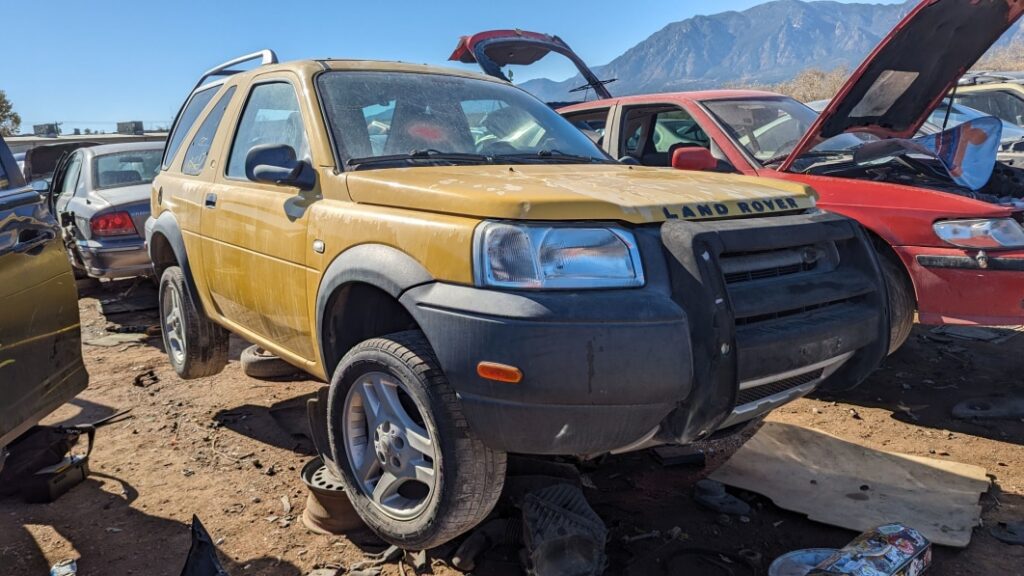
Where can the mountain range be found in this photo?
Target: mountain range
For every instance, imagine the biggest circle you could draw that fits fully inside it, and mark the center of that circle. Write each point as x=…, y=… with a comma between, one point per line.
x=765, y=44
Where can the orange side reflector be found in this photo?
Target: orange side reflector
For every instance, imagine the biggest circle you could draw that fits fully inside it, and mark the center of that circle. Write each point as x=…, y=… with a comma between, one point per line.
x=499, y=372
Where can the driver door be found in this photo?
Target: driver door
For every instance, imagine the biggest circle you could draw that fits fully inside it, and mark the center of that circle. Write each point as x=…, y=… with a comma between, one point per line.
x=41, y=363
x=254, y=233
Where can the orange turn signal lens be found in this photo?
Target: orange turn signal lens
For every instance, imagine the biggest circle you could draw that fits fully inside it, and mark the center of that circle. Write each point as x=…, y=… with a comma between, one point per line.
x=499, y=372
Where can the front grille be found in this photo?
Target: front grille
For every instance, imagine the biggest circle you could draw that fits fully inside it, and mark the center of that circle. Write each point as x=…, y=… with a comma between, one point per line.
x=794, y=311
x=775, y=272
x=752, y=266
x=760, y=392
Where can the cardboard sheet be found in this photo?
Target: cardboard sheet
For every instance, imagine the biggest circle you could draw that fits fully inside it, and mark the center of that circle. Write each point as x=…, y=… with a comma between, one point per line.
x=837, y=482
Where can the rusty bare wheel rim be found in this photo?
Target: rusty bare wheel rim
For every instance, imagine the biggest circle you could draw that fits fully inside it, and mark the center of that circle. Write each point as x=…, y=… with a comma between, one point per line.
x=392, y=456
x=173, y=323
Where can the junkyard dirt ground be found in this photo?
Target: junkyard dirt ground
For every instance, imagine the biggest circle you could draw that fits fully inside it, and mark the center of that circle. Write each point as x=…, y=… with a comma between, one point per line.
x=220, y=448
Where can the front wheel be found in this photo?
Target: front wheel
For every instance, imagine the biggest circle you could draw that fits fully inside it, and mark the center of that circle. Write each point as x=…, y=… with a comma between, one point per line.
x=902, y=303
x=414, y=471
x=195, y=345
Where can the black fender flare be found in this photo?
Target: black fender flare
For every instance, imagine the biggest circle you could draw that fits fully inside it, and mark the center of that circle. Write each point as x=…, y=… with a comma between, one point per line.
x=167, y=226
x=384, y=267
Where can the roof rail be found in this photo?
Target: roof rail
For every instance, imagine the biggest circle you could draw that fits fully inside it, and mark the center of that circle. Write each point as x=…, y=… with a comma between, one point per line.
x=265, y=56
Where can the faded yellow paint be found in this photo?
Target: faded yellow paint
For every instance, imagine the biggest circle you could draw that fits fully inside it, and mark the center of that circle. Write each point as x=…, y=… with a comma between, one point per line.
x=252, y=258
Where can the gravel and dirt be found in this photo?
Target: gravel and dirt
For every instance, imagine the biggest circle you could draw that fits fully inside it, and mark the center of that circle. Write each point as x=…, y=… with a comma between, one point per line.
x=229, y=448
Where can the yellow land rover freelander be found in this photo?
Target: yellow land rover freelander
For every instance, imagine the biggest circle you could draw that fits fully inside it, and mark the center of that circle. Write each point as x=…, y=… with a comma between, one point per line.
x=473, y=276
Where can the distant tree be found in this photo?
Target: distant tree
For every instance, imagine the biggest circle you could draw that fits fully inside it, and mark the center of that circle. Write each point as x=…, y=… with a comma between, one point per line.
x=88, y=131
x=10, y=121
x=810, y=85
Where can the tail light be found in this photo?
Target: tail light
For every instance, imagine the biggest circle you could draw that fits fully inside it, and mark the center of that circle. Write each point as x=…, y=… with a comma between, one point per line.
x=112, y=224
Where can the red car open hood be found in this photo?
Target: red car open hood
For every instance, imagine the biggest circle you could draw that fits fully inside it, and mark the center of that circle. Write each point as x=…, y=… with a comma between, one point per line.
x=892, y=92
x=495, y=49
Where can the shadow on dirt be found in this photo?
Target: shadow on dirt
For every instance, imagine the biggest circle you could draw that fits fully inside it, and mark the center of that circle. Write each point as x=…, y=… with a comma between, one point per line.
x=101, y=528
x=283, y=425
x=922, y=382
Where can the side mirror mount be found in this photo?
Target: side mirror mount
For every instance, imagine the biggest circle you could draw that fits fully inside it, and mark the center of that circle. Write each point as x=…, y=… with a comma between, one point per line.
x=693, y=158
x=629, y=160
x=41, y=186
x=277, y=164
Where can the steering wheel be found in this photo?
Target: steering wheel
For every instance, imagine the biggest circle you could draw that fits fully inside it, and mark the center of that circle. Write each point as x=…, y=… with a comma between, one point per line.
x=496, y=147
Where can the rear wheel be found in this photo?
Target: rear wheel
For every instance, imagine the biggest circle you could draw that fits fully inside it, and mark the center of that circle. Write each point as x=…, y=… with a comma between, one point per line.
x=414, y=471
x=195, y=345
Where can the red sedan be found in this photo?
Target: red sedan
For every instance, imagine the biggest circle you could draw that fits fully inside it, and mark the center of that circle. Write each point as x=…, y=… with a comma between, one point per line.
x=953, y=253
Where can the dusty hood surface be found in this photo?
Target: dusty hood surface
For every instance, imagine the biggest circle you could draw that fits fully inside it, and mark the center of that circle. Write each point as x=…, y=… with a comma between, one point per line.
x=912, y=69
x=577, y=192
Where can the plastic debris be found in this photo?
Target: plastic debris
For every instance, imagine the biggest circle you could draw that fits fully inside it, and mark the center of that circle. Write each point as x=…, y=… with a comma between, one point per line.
x=64, y=568
x=562, y=533
x=712, y=495
x=1009, y=532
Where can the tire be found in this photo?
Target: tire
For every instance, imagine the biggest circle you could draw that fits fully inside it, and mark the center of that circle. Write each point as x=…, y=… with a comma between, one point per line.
x=902, y=302
x=195, y=345
x=258, y=363
x=466, y=477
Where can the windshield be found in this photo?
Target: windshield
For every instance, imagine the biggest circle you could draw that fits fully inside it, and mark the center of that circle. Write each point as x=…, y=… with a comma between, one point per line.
x=769, y=128
x=383, y=118
x=959, y=114
x=126, y=168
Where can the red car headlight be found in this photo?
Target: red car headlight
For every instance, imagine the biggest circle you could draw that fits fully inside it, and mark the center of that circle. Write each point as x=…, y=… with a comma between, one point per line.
x=991, y=233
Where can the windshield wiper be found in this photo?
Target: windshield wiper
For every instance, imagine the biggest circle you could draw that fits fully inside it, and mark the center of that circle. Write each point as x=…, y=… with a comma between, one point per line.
x=551, y=154
x=428, y=154
x=812, y=154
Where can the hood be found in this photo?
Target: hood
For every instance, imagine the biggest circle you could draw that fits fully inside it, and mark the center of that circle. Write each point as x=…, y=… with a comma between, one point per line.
x=495, y=49
x=906, y=76
x=616, y=192
x=41, y=161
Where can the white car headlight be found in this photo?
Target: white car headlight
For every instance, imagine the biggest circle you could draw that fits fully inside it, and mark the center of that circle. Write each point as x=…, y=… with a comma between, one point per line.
x=537, y=256
x=994, y=233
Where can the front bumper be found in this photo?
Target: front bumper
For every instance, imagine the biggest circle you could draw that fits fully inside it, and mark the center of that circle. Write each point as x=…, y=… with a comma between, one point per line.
x=955, y=286
x=115, y=258
x=689, y=354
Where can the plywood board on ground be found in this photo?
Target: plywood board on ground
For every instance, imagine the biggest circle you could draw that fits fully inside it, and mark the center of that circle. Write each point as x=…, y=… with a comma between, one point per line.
x=844, y=484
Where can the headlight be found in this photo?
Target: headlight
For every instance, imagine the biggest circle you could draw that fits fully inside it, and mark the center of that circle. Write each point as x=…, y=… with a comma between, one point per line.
x=994, y=233
x=508, y=255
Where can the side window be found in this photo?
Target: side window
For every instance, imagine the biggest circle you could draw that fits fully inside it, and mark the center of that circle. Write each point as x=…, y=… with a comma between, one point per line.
x=592, y=123
x=71, y=176
x=188, y=117
x=4, y=181
x=199, y=148
x=271, y=116
x=677, y=127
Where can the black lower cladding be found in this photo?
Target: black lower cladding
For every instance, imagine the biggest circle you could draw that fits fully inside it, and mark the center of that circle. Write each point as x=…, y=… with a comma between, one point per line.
x=760, y=326
x=603, y=368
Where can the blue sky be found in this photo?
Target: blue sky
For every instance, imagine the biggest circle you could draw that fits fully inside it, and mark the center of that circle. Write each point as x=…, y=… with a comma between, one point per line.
x=91, y=64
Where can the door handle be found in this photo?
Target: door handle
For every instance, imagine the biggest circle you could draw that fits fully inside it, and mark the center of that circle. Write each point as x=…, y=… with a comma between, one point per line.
x=29, y=240
x=211, y=200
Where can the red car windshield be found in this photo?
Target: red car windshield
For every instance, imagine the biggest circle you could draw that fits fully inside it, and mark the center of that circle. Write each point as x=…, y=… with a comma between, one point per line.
x=769, y=128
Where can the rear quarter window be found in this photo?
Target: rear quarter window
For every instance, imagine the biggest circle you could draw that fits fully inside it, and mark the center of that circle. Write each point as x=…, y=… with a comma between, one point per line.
x=199, y=149
x=188, y=117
